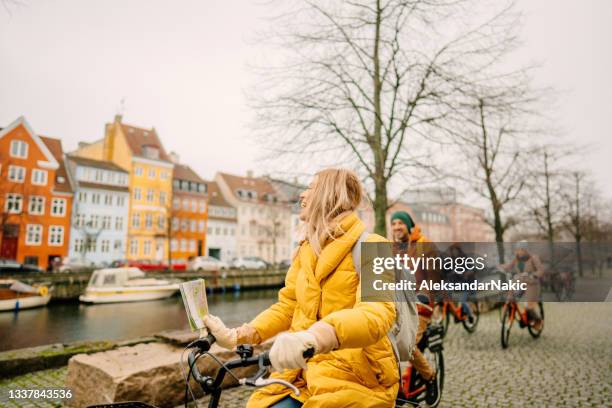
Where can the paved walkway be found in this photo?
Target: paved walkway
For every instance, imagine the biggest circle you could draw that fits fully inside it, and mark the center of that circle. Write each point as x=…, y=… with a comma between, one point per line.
x=570, y=365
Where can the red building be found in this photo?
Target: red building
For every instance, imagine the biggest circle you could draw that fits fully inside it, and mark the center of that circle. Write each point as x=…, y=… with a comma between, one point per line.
x=35, y=196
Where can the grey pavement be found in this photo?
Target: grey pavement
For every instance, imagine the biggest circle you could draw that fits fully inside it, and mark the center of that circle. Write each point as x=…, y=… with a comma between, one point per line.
x=570, y=365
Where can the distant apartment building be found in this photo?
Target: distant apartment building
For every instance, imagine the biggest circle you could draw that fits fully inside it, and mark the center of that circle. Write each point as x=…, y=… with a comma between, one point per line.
x=189, y=214
x=142, y=154
x=289, y=192
x=222, y=225
x=35, y=196
x=264, y=219
x=99, y=225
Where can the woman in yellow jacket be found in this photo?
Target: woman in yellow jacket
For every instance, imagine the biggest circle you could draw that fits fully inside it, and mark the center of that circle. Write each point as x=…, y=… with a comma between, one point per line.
x=354, y=364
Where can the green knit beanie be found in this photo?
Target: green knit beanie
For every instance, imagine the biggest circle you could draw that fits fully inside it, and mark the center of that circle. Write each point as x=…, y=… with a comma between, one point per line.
x=404, y=217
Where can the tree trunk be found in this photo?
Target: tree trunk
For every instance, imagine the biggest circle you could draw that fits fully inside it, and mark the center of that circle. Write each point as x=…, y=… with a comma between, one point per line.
x=380, y=208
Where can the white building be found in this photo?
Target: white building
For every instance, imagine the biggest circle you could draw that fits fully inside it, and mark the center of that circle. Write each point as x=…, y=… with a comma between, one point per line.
x=221, y=225
x=100, y=210
x=264, y=219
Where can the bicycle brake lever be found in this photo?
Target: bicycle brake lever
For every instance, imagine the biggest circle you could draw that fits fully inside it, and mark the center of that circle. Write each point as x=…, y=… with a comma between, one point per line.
x=260, y=382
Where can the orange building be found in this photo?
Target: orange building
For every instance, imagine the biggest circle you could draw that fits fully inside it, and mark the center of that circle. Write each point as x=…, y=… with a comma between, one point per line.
x=35, y=196
x=189, y=214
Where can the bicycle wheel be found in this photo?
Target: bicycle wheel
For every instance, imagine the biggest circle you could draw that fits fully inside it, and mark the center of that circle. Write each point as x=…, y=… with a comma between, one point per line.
x=536, y=333
x=436, y=360
x=507, y=321
x=470, y=326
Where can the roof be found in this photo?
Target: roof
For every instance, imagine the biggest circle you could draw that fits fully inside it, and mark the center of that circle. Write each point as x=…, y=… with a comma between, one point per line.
x=184, y=172
x=215, y=197
x=290, y=191
x=137, y=138
x=21, y=121
x=55, y=147
x=100, y=164
x=259, y=185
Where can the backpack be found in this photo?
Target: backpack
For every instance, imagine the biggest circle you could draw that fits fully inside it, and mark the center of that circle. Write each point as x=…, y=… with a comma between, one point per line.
x=403, y=332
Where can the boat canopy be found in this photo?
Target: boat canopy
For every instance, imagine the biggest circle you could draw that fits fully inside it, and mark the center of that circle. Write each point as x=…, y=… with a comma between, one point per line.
x=114, y=276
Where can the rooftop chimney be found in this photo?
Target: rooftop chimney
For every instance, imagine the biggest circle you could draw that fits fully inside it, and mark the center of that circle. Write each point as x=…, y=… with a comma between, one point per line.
x=174, y=157
x=118, y=118
x=249, y=173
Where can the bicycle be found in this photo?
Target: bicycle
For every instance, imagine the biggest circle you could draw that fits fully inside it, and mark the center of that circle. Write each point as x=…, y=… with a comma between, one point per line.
x=443, y=310
x=414, y=388
x=510, y=310
x=563, y=284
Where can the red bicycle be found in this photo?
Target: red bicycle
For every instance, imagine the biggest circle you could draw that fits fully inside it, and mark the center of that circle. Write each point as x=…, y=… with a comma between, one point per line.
x=511, y=311
x=444, y=309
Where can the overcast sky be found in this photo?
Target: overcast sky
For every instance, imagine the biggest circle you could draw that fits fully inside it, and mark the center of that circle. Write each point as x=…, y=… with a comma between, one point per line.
x=182, y=67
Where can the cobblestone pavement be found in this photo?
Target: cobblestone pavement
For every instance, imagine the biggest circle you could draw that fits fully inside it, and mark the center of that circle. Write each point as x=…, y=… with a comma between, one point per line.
x=570, y=365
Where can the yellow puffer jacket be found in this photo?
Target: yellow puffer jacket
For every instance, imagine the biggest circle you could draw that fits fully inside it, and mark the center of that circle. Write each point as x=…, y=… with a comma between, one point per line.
x=363, y=372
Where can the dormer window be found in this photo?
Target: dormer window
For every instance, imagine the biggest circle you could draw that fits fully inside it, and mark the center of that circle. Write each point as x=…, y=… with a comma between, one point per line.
x=150, y=152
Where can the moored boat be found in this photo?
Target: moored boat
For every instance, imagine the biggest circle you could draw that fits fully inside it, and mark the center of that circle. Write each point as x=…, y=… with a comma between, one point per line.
x=15, y=295
x=125, y=285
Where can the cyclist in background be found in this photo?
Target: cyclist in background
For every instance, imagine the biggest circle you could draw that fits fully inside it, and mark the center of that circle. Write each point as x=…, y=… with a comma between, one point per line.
x=408, y=239
x=529, y=269
x=455, y=251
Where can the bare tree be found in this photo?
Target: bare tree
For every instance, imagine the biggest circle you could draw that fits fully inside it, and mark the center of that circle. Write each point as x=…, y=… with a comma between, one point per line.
x=368, y=83
x=574, y=223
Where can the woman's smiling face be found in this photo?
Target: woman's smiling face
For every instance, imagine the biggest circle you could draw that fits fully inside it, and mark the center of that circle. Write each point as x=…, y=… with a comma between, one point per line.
x=304, y=197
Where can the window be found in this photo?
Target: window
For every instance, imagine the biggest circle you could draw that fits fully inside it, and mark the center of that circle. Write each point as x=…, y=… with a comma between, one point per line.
x=120, y=201
x=176, y=203
x=162, y=198
x=58, y=207
x=161, y=222
x=163, y=175
x=118, y=245
x=174, y=244
x=79, y=220
x=150, y=152
x=150, y=195
x=148, y=221
x=92, y=243
x=147, y=247
x=95, y=198
x=82, y=197
x=33, y=234
x=201, y=226
x=138, y=171
x=39, y=177
x=184, y=224
x=137, y=194
x=202, y=206
x=175, y=223
x=136, y=220
x=183, y=244
x=108, y=199
x=209, y=230
x=56, y=235
x=133, y=247
x=78, y=245
x=16, y=174
x=106, y=222
x=13, y=204
x=186, y=204
x=194, y=205
x=192, y=225
x=118, y=223
x=99, y=175
x=192, y=245
x=105, y=246
x=93, y=221
x=37, y=205
x=19, y=149
x=152, y=173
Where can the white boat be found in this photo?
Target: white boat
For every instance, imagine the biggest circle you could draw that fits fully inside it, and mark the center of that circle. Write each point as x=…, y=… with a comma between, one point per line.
x=125, y=285
x=15, y=295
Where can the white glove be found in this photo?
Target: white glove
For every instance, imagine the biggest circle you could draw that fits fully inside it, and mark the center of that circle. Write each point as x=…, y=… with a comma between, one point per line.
x=224, y=336
x=287, y=350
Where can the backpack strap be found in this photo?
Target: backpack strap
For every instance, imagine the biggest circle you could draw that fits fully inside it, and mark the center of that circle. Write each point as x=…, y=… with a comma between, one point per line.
x=356, y=251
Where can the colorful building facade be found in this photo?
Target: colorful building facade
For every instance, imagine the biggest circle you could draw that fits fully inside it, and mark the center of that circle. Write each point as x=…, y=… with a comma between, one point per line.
x=35, y=196
x=189, y=215
x=150, y=169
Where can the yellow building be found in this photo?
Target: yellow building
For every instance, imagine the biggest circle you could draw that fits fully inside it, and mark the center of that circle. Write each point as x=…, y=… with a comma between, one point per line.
x=141, y=153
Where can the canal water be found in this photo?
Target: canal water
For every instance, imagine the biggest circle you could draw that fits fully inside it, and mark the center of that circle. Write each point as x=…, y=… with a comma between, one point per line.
x=67, y=322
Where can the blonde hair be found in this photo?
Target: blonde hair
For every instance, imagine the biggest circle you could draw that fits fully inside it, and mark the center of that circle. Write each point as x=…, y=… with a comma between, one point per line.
x=336, y=193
